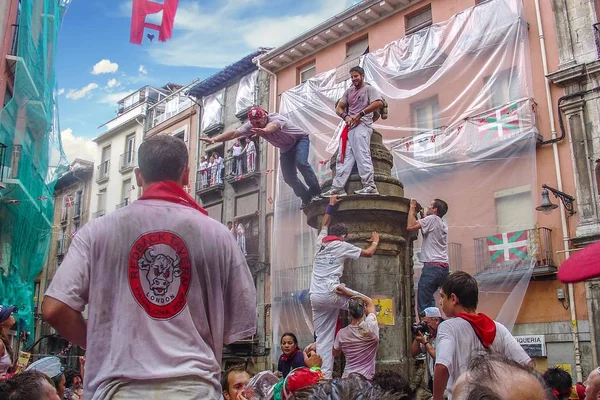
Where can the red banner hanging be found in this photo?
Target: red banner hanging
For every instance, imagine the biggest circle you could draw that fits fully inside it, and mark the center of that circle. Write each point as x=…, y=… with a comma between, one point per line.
x=141, y=9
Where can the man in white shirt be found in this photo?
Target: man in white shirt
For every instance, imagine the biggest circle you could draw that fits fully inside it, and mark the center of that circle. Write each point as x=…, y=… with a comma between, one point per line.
x=359, y=340
x=434, y=250
x=166, y=287
x=331, y=250
x=466, y=334
x=237, y=158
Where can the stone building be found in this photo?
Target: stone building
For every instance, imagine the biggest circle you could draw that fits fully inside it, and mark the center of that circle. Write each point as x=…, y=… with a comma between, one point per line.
x=72, y=197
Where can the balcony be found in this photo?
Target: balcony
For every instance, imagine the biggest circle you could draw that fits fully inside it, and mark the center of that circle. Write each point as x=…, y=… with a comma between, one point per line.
x=123, y=204
x=242, y=168
x=127, y=161
x=501, y=254
x=103, y=172
x=99, y=213
x=209, y=180
x=61, y=247
x=64, y=216
x=169, y=107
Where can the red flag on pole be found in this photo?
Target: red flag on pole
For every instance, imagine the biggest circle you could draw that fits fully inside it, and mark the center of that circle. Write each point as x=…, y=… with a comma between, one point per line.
x=141, y=9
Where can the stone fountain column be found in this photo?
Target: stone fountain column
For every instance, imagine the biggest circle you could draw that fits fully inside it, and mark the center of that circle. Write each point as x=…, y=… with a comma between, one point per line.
x=388, y=274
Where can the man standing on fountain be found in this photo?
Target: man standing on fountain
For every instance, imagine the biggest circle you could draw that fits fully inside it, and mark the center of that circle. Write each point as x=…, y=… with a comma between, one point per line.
x=331, y=250
x=356, y=108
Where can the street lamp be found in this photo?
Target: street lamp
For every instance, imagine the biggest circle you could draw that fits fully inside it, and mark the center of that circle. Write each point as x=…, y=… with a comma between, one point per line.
x=547, y=206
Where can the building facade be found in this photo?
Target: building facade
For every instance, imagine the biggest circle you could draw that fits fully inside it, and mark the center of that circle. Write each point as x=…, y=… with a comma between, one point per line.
x=72, y=196
x=233, y=190
x=427, y=116
x=577, y=73
x=114, y=182
x=31, y=157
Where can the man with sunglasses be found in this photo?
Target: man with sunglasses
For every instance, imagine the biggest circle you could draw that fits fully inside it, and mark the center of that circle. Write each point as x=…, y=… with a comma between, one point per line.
x=293, y=144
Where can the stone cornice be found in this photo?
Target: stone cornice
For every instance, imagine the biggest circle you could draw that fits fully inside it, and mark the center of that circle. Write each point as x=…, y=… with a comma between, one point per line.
x=574, y=74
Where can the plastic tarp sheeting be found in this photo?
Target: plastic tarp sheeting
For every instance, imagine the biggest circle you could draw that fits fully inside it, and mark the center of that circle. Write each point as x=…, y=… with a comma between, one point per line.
x=462, y=128
x=212, y=106
x=246, y=93
x=34, y=156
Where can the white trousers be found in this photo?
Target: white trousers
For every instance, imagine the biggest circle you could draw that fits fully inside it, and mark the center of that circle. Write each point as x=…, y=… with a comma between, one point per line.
x=358, y=149
x=325, y=309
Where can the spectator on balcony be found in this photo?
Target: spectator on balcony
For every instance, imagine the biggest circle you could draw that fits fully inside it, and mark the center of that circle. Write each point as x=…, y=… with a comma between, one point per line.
x=204, y=172
x=237, y=158
x=217, y=168
x=293, y=143
x=359, y=340
x=331, y=250
x=230, y=227
x=434, y=250
x=467, y=333
x=240, y=231
x=250, y=151
x=145, y=271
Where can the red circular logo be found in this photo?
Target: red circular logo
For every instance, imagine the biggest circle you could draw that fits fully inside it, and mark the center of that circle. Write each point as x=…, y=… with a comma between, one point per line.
x=160, y=273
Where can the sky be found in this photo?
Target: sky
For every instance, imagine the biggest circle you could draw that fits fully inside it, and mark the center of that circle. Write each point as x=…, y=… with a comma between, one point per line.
x=96, y=65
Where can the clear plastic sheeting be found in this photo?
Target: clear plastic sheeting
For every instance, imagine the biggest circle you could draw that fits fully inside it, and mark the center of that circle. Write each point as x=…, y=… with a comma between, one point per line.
x=246, y=93
x=212, y=110
x=462, y=128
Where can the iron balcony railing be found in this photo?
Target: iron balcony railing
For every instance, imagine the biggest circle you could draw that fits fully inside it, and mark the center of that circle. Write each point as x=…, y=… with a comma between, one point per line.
x=127, y=161
x=494, y=253
x=209, y=177
x=99, y=213
x=103, y=171
x=123, y=204
x=455, y=256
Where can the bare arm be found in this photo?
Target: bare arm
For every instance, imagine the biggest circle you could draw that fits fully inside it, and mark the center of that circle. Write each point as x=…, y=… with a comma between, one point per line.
x=376, y=105
x=440, y=380
x=333, y=201
x=223, y=137
x=413, y=224
x=369, y=251
x=369, y=305
x=415, y=347
x=336, y=352
x=341, y=110
x=67, y=321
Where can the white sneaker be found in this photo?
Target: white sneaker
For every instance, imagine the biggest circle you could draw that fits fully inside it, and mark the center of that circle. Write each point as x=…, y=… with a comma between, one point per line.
x=332, y=191
x=367, y=190
x=315, y=198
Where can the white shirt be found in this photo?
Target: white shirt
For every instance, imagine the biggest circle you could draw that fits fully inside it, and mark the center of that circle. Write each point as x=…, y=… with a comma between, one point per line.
x=166, y=287
x=203, y=165
x=359, y=344
x=237, y=151
x=435, y=239
x=328, y=263
x=457, y=343
x=250, y=147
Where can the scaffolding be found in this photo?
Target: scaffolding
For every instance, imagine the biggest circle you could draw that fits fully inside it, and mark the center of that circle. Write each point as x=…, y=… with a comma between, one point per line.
x=33, y=155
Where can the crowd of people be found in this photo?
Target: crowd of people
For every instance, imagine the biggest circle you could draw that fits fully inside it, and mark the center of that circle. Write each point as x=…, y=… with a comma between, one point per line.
x=166, y=288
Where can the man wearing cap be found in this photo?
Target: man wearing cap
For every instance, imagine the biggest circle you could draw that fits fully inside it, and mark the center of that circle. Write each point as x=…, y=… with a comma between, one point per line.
x=356, y=109
x=583, y=265
x=424, y=342
x=293, y=144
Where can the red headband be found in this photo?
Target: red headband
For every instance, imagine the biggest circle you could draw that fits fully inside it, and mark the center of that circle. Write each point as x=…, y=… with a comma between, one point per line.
x=256, y=113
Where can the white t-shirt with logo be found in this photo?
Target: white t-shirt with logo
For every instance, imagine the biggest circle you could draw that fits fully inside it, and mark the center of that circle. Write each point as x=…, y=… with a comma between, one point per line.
x=328, y=263
x=435, y=239
x=457, y=344
x=166, y=286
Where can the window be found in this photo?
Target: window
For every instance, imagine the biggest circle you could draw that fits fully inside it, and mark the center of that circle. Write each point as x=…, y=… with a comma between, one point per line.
x=125, y=192
x=514, y=209
x=504, y=88
x=104, y=166
x=418, y=20
x=246, y=205
x=353, y=52
x=102, y=200
x=215, y=211
x=78, y=200
x=129, y=149
x=179, y=134
x=307, y=72
x=425, y=114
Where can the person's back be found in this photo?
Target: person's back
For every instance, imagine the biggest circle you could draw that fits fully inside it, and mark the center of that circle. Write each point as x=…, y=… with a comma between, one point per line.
x=167, y=286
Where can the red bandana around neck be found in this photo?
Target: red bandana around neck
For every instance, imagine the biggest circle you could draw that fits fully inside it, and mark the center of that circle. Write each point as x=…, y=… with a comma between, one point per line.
x=484, y=327
x=330, y=238
x=289, y=357
x=170, y=191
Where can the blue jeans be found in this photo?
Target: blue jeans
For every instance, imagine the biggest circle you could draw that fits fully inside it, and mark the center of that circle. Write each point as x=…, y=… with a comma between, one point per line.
x=432, y=278
x=297, y=160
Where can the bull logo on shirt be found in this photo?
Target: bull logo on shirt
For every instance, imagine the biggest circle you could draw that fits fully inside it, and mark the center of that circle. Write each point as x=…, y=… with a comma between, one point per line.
x=159, y=273
x=160, y=270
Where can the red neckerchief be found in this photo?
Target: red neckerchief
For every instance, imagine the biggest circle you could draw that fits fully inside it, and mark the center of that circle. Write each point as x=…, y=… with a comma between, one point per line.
x=344, y=141
x=484, y=327
x=170, y=191
x=286, y=358
x=330, y=238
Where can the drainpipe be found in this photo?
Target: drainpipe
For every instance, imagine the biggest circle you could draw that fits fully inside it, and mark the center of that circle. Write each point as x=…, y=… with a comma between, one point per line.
x=563, y=217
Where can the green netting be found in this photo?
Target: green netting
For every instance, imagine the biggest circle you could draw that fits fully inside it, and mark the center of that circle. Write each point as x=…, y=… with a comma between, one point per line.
x=33, y=156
